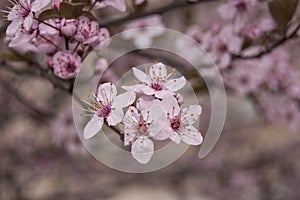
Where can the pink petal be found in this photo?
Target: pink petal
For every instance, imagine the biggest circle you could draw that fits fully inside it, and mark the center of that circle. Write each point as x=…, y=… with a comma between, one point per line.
x=176, y=84
x=107, y=92
x=190, y=114
x=142, y=150
x=191, y=136
x=129, y=137
x=175, y=137
x=93, y=127
x=132, y=116
x=147, y=90
x=135, y=88
x=162, y=93
x=13, y=27
x=140, y=75
x=38, y=5
x=227, y=11
x=115, y=117
x=145, y=102
x=170, y=105
x=28, y=22
x=124, y=100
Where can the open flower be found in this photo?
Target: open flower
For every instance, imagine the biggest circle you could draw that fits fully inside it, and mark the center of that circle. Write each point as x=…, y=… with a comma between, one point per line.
x=141, y=34
x=66, y=64
x=179, y=124
x=156, y=82
x=139, y=126
x=107, y=106
x=117, y=4
x=89, y=33
x=23, y=13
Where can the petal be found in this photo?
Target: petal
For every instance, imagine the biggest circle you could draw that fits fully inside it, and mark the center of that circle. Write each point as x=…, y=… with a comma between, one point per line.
x=147, y=90
x=190, y=114
x=124, y=100
x=175, y=137
x=135, y=88
x=145, y=102
x=129, y=136
x=28, y=22
x=162, y=93
x=107, y=92
x=38, y=5
x=132, y=116
x=165, y=133
x=175, y=84
x=115, y=117
x=93, y=127
x=191, y=136
x=13, y=27
x=142, y=150
x=142, y=41
x=158, y=71
x=227, y=11
x=170, y=105
x=140, y=75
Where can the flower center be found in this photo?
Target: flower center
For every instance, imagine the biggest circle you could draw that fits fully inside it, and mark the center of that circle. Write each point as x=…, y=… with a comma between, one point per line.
x=22, y=9
x=156, y=86
x=104, y=111
x=143, y=128
x=175, y=123
x=71, y=67
x=241, y=7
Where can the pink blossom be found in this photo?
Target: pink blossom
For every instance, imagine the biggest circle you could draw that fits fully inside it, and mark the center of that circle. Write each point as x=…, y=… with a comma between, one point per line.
x=56, y=4
x=140, y=32
x=179, y=125
x=139, y=2
x=117, y=4
x=23, y=13
x=64, y=133
x=90, y=34
x=246, y=76
x=156, y=82
x=107, y=105
x=139, y=126
x=238, y=10
x=66, y=64
x=23, y=39
x=223, y=45
x=68, y=27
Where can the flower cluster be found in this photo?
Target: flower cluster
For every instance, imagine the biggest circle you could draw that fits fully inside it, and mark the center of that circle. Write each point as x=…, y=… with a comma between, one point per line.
x=240, y=36
x=66, y=37
x=157, y=113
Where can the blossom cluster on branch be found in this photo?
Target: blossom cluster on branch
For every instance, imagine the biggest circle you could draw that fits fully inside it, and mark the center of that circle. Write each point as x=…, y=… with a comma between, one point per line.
x=157, y=113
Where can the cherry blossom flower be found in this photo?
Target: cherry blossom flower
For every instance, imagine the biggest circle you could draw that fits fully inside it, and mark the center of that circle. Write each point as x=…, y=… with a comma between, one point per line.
x=238, y=9
x=22, y=39
x=224, y=44
x=179, y=124
x=139, y=126
x=140, y=32
x=106, y=106
x=64, y=133
x=69, y=27
x=156, y=82
x=117, y=4
x=66, y=64
x=23, y=13
x=246, y=76
x=91, y=34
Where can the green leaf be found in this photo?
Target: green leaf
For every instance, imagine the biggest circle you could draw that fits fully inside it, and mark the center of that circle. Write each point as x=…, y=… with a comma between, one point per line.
x=283, y=11
x=71, y=10
x=50, y=13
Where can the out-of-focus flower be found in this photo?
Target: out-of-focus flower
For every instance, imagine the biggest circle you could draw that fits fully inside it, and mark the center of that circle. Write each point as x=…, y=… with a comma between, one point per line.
x=223, y=45
x=179, y=125
x=139, y=126
x=117, y=4
x=68, y=27
x=90, y=33
x=108, y=74
x=107, y=106
x=238, y=10
x=246, y=76
x=23, y=13
x=66, y=64
x=56, y=4
x=48, y=43
x=64, y=133
x=156, y=82
x=140, y=30
x=139, y=2
x=22, y=39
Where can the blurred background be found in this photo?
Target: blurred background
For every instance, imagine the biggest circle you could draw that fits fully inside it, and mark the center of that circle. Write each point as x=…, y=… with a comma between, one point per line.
x=42, y=157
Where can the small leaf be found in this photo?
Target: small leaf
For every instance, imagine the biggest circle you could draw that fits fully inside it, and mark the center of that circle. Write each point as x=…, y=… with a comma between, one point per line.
x=81, y=1
x=71, y=10
x=48, y=14
x=89, y=15
x=283, y=11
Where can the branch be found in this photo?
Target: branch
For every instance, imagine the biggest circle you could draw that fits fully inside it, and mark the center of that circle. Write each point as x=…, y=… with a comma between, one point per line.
x=272, y=47
x=175, y=5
